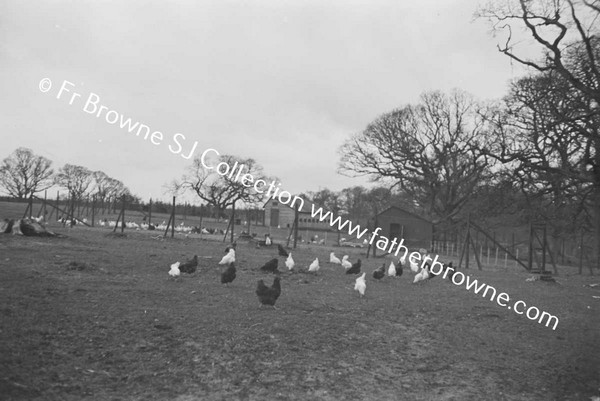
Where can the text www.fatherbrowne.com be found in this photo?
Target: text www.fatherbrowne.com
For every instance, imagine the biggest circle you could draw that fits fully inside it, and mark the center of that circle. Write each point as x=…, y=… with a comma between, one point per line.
x=503, y=299
x=458, y=278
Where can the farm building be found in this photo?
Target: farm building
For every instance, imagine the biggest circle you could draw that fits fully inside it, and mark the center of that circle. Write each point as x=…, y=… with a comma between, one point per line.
x=281, y=215
x=399, y=223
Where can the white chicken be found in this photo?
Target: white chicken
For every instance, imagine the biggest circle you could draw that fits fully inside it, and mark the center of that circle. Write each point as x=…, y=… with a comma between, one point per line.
x=334, y=259
x=360, y=285
x=229, y=258
x=268, y=241
x=392, y=270
x=403, y=260
x=289, y=262
x=413, y=266
x=346, y=263
x=174, y=272
x=314, y=266
x=421, y=276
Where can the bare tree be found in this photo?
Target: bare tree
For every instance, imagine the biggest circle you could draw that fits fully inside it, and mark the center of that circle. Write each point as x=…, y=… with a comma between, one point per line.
x=330, y=201
x=568, y=33
x=221, y=191
x=431, y=151
x=556, y=26
x=355, y=203
x=76, y=179
x=23, y=173
x=115, y=188
x=101, y=184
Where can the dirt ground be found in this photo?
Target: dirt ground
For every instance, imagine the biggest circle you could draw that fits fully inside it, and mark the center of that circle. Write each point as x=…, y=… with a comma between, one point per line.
x=94, y=315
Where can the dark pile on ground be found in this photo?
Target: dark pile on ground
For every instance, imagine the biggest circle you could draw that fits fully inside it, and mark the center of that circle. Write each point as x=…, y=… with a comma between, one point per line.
x=27, y=227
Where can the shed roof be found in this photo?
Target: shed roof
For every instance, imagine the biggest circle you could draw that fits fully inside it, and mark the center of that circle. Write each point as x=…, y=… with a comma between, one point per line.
x=405, y=211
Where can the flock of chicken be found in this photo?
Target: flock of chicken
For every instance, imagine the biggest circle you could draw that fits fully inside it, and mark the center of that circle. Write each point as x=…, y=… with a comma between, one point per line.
x=269, y=295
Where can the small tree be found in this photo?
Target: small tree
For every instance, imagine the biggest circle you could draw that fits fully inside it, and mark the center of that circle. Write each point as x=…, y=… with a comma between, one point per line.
x=76, y=179
x=23, y=173
x=330, y=201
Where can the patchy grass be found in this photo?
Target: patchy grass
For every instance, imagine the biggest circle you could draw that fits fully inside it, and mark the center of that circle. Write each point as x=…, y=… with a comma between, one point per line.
x=98, y=317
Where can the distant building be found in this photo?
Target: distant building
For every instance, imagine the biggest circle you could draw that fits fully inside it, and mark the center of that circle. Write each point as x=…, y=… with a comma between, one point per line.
x=399, y=223
x=281, y=215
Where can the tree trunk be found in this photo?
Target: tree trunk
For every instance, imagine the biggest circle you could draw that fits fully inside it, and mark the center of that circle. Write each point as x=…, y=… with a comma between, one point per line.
x=232, y=220
x=596, y=208
x=249, y=219
x=596, y=200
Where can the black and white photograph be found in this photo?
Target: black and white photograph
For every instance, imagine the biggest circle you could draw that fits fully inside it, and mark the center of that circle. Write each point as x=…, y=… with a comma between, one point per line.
x=300, y=200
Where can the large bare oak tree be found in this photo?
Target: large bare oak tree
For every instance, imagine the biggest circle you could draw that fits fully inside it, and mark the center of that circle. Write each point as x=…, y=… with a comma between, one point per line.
x=430, y=150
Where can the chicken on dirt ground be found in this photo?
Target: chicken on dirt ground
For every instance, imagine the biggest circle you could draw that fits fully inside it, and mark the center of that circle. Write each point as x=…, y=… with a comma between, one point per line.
x=355, y=269
x=229, y=274
x=268, y=295
x=270, y=266
x=379, y=273
x=190, y=266
x=282, y=251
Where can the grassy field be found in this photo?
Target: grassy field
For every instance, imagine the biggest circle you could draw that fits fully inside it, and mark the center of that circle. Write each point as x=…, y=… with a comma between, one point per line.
x=116, y=327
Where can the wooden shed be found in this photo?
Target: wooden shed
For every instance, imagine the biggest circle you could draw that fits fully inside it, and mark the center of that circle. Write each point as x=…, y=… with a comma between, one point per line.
x=281, y=215
x=399, y=223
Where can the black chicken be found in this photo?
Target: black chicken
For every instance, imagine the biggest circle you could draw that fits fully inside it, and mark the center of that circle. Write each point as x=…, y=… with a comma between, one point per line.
x=428, y=268
x=355, y=269
x=399, y=269
x=379, y=273
x=228, y=275
x=270, y=266
x=189, y=266
x=282, y=252
x=451, y=271
x=268, y=295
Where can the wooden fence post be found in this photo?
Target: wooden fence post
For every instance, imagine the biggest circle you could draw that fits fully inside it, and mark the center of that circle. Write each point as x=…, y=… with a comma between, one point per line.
x=93, y=209
x=173, y=219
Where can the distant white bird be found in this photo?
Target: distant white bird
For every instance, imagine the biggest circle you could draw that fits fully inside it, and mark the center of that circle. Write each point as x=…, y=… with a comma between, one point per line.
x=346, y=263
x=268, y=241
x=413, y=266
x=174, y=272
x=314, y=266
x=334, y=259
x=392, y=270
x=403, y=260
x=360, y=285
x=289, y=262
x=421, y=276
x=229, y=258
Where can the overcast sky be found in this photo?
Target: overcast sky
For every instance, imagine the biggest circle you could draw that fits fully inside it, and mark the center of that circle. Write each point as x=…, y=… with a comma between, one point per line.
x=283, y=82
